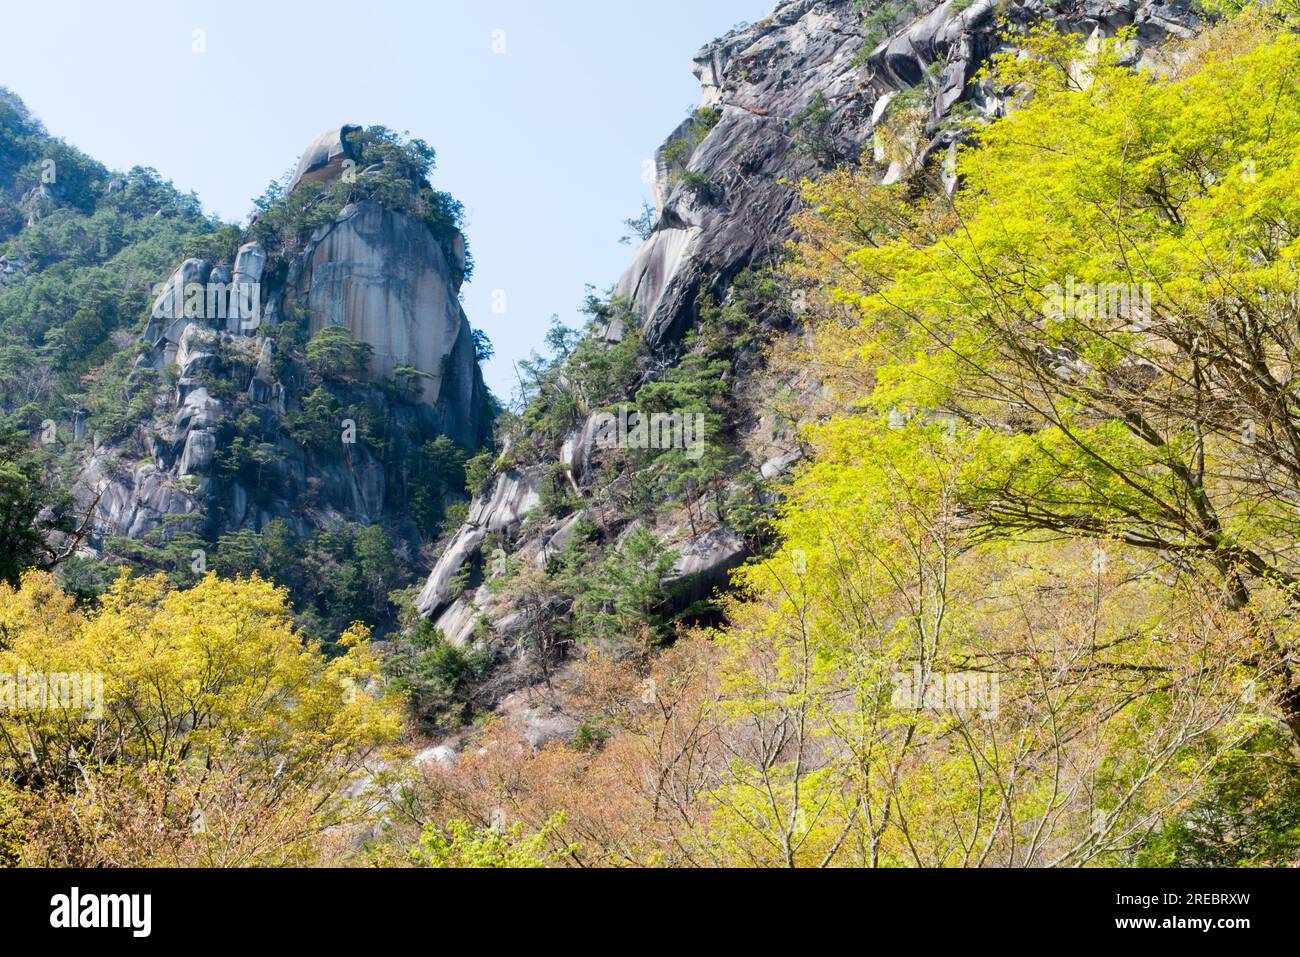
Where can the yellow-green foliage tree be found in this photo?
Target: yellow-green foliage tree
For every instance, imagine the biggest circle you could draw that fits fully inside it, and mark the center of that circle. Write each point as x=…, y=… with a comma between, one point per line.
x=1042, y=578
x=1033, y=604
x=462, y=845
x=207, y=729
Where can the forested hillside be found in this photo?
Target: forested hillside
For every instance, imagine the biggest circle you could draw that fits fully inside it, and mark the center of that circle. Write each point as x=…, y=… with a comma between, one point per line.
x=79, y=249
x=983, y=554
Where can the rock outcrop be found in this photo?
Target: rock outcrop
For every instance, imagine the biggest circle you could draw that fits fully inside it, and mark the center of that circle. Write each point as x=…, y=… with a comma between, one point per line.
x=383, y=276
x=326, y=157
x=513, y=498
x=380, y=273
x=760, y=80
x=795, y=95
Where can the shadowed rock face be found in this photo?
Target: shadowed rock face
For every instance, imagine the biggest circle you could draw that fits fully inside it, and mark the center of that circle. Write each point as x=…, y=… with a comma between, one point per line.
x=961, y=40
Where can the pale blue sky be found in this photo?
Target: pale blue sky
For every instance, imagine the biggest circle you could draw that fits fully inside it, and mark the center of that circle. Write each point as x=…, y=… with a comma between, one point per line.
x=543, y=143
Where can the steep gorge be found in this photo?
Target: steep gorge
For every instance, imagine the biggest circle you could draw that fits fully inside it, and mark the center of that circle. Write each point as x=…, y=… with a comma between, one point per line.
x=235, y=429
x=818, y=84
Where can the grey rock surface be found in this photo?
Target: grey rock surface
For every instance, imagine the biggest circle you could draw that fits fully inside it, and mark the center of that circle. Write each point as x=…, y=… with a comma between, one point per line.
x=381, y=274
x=167, y=320
x=766, y=78
x=705, y=560
x=513, y=497
x=324, y=159
x=761, y=78
x=384, y=277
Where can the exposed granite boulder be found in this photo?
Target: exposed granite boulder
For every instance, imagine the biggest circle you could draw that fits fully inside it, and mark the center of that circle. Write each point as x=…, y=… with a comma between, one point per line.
x=553, y=545
x=194, y=350
x=779, y=465
x=542, y=728
x=440, y=755
x=437, y=592
x=704, y=564
x=200, y=448
x=137, y=501
x=38, y=202
x=249, y=263
x=959, y=39
x=244, y=314
x=325, y=158
x=167, y=320
x=513, y=497
x=457, y=621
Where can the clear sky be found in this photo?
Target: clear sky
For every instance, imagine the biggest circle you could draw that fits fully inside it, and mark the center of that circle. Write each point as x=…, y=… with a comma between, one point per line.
x=542, y=112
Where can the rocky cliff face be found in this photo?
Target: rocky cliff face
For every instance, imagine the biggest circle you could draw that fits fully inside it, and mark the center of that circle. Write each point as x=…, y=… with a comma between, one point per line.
x=383, y=276
x=733, y=210
x=802, y=91
x=214, y=341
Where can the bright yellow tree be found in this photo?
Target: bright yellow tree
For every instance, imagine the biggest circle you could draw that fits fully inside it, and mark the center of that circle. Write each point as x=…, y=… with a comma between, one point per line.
x=215, y=722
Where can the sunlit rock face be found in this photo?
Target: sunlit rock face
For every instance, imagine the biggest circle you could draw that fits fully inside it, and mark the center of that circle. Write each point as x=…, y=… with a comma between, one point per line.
x=513, y=498
x=733, y=206
x=760, y=78
x=381, y=274
x=326, y=157
x=384, y=276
